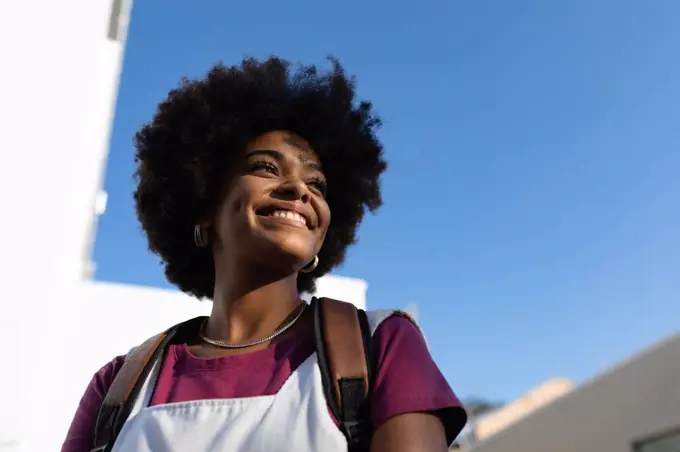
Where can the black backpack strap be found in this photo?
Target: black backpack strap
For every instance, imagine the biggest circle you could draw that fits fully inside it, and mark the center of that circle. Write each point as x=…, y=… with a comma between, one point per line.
x=125, y=387
x=343, y=350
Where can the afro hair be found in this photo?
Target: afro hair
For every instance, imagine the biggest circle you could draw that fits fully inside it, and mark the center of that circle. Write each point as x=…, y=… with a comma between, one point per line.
x=201, y=129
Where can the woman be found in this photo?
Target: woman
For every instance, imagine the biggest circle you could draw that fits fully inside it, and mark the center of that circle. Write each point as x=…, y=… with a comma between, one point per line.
x=251, y=184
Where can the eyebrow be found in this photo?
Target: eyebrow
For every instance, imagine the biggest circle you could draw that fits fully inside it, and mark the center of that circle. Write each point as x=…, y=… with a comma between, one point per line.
x=280, y=156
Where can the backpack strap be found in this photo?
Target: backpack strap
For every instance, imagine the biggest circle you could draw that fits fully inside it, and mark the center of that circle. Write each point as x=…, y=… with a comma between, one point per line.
x=124, y=389
x=342, y=336
x=343, y=347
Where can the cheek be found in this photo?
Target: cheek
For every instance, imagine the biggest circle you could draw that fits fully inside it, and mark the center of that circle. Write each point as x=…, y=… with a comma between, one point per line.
x=324, y=217
x=235, y=207
x=231, y=208
x=240, y=193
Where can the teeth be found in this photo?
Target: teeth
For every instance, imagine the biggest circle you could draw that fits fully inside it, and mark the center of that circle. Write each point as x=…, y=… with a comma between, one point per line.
x=290, y=215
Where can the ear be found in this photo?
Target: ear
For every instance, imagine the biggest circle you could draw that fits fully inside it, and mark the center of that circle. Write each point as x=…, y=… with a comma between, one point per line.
x=206, y=220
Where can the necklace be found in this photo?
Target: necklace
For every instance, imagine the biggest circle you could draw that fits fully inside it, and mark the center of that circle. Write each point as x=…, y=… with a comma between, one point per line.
x=278, y=332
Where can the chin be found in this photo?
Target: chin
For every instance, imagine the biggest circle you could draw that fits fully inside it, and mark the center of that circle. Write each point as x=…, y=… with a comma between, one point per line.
x=288, y=250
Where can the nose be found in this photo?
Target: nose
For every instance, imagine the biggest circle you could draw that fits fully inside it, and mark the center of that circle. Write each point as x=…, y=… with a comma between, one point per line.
x=293, y=190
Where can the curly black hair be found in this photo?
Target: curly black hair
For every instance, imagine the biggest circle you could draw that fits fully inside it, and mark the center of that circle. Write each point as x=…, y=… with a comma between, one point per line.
x=204, y=125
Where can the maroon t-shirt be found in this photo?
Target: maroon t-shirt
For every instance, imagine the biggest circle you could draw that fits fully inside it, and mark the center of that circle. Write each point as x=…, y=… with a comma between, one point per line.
x=407, y=380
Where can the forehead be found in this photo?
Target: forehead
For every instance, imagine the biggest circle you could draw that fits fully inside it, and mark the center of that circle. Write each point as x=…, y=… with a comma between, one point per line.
x=287, y=143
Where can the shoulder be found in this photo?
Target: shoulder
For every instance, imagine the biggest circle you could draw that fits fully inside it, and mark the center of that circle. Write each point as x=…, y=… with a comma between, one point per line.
x=394, y=328
x=101, y=381
x=395, y=320
x=79, y=436
x=395, y=334
x=407, y=378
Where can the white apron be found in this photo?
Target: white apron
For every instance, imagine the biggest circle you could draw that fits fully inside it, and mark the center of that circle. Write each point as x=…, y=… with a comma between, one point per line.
x=294, y=419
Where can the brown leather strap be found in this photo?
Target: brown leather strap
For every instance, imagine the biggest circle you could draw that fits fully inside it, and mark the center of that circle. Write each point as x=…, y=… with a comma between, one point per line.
x=125, y=387
x=132, y=368
x=342, y=337
x=344, y=344
x=115, y=406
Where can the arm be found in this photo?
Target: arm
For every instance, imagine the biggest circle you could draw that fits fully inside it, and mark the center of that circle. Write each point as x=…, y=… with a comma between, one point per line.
x=412, y=405
x=408, y=432
x=80, y=435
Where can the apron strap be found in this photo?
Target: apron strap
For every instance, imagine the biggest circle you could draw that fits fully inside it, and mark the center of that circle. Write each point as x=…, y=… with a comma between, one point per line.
x=343, y=347
x=343, y=336
x=124, y=389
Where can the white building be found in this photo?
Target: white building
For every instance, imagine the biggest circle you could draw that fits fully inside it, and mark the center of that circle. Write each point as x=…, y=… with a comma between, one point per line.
x=58, y=85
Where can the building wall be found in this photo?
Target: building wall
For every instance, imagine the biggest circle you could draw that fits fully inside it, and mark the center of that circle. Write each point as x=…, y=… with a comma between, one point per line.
x=58, y=88
x=635, y=400
x=346, y=289
x=58, y=85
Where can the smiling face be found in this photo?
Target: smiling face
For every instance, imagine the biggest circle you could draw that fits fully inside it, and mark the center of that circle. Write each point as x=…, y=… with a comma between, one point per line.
x=274, y=210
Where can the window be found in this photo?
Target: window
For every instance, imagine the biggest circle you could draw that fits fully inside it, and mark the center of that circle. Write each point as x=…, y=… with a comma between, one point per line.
x=665, y=442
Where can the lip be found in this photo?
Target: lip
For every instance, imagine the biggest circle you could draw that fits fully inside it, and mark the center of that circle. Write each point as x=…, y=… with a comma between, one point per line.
x=265, y=210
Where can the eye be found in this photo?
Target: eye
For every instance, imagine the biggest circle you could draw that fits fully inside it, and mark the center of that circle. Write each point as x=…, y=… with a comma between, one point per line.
x=318, y=185
x=263, y=166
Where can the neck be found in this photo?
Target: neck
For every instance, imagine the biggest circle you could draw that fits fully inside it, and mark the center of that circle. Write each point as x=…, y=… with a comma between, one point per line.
x=245, y=309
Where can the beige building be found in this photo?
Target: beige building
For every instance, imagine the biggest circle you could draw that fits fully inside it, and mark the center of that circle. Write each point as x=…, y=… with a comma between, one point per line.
x=497, y=420
x=520, y=408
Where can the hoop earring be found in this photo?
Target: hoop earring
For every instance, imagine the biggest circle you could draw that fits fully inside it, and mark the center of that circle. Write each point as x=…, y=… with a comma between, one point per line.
x=310, y=267
x=200, y=236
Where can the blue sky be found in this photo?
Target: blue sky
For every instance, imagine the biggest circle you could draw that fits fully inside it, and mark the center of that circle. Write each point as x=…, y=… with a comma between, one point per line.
x=532, y=204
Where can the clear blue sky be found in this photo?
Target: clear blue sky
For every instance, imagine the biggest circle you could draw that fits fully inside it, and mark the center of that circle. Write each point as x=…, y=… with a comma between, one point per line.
x=532, y=204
